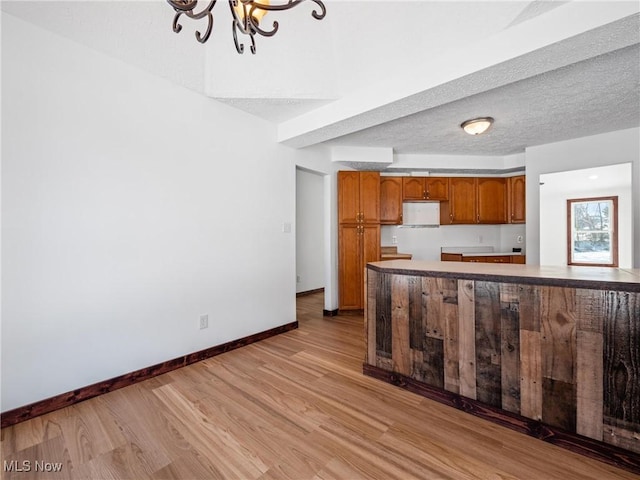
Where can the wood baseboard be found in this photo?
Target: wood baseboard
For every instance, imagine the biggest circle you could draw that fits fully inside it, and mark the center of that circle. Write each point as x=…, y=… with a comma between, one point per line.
x=588, y=447
x=20, y=414
x=309, y=292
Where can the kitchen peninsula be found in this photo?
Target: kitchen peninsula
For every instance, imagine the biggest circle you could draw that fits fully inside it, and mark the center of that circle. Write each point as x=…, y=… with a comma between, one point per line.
x=553, y=352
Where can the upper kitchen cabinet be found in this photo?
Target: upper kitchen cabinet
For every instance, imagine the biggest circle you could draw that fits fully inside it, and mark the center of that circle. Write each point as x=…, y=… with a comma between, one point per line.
x=516, y=188
x=475, y=200
x=462, y=205
x=416, y=189
x=358, y=197
x=492, y=200
x=391, y=200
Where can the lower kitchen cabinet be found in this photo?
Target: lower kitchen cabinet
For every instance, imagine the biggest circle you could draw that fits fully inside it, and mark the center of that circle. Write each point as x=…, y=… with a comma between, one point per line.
x=458, y=257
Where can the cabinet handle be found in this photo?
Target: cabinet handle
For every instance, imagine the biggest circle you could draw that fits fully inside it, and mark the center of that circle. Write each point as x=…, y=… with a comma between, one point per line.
x=478, y=218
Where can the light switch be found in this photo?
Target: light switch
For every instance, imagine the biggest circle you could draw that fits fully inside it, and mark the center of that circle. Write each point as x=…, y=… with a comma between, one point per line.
x=286, y=227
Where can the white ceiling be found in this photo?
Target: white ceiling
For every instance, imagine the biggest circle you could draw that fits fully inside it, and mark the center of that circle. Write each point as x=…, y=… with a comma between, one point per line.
x=398, y=74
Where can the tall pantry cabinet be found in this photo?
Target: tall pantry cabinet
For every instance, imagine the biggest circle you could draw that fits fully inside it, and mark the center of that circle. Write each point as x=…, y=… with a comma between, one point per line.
x=358, y=233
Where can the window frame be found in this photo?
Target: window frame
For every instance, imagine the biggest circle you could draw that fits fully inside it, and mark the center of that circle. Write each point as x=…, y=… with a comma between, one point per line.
x=613, y=231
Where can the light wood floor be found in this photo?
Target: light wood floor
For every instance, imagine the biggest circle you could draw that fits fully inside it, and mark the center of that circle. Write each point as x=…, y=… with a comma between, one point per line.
x=295, y=406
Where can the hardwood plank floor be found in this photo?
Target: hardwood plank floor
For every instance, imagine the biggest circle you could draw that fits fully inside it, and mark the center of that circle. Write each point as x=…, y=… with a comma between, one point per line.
x=295, y=406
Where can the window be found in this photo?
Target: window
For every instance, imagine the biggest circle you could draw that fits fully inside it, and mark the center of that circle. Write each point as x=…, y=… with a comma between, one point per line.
x=592, y=229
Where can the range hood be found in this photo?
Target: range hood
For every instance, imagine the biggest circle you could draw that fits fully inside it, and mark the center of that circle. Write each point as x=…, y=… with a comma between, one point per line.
x=421, y=215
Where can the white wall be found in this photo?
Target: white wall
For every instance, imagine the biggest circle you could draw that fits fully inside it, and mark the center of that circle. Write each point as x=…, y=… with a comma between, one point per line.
x=598, y=150
x=310, y=245
x=129, y=207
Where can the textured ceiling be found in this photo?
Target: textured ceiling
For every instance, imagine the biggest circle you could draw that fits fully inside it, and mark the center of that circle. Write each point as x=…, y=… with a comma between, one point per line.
x=586, y=98
x=342, y=81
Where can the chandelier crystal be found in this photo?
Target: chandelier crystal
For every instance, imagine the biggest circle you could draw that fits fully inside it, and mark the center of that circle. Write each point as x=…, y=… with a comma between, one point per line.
x=246, y=17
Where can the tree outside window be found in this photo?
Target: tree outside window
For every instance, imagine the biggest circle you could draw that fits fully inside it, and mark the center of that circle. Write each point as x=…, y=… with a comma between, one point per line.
x=593, y=231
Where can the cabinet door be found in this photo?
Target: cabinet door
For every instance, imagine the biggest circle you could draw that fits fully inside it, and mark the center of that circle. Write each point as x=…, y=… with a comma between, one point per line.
x=370, y=197
x=413, y=188
x=517, y=199
x=462, y=201
x=492, y=200
x=358, y=244
x=348, y=197
x=351, y=268
x=370, y=236
x=391, y=200
x=436, y=188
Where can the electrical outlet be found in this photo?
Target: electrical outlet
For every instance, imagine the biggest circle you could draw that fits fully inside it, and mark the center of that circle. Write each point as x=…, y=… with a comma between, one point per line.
x=480, y=239
x=519, y=239
x=394, y=240
x=297, y=278
x=204, y=321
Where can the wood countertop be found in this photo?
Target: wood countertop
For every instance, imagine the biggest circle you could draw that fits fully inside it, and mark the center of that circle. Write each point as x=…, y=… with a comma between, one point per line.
x=598, y=278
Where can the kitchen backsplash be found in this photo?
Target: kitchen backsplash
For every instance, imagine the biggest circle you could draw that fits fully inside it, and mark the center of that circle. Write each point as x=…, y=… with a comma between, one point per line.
x=425, y=243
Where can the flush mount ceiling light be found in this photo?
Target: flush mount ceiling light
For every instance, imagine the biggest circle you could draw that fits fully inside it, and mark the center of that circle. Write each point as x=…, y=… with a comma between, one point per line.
x=477, y=126
x=246, y=17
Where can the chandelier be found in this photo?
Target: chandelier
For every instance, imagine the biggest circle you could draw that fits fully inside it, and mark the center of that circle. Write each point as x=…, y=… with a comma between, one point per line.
x=246, y=17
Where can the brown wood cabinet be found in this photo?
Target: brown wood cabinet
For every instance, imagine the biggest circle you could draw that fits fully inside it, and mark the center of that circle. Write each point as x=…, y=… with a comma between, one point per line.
x=458, y=257
x=415, y=189
x=358, y=233
x=462, y=205
x=516, y=193
x=492, y=200
x=358, y=197
x=357, y=245
x=475, y=200
x=391, y=200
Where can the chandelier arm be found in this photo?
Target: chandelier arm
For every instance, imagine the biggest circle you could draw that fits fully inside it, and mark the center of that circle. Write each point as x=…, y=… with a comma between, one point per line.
x=186, y=7
x=234, y=29
x=240, y=23
x=290, y=4
x=265, y=33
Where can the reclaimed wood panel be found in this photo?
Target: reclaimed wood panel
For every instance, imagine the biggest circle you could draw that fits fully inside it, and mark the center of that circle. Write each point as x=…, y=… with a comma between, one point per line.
x=432, y=308
x=559, y=404
x=467, y=338
x=621, y=367
x=510, y=347
x=531, y=374
x=488, y=345
x=400, y=349
x=433, y=362
x=416, y=324
x=558, y=326
x=383, y=315
x=370, y=317
x=590, y=312
x=529, y=307
x=451, y=347
x=589, y=385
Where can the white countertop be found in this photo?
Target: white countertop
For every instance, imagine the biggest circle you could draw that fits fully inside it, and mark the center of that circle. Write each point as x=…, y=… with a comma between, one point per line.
x=476, y=251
